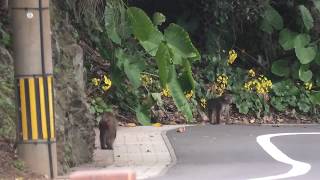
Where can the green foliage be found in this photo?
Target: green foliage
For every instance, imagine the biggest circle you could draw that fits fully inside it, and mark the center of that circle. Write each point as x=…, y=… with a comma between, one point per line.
x=5, y=38
x=158, y=18
x=144, y=30
x=251, y=102
x=132, y=65
x=304, y=103
x=271, y=20
x=162, y=57
x=288, y=95
x=172, y=51
x=98, y=106
x=277, y=39
x=174, y=46
x=143, y=115
x=305, y=74
x=180, y=45
x=287, y=39
x=314, y=98
x=285, y=95
x=317, y=4
x=306, y=17
x=178, y=95
x=281, y=68
x=7, y=100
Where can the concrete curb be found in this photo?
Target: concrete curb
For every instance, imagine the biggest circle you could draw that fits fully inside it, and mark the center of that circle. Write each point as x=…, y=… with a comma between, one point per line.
x=146, y=150
x=297, y=125
x=171, y=151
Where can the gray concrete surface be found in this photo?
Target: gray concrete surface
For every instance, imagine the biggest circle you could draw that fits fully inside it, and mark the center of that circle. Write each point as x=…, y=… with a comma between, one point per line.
x=143, y=149
x=232, y=152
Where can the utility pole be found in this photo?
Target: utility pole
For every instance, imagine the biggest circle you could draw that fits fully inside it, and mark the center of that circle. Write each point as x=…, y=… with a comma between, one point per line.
x=34, y=85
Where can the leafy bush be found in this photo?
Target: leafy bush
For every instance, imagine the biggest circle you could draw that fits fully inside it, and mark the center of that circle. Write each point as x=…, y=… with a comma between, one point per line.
x=171, y=49
x=264, y=52
x=5, y=38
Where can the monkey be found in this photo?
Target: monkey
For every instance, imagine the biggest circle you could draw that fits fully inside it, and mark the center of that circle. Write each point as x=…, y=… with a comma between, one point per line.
x=108, y=130
x=219, y=108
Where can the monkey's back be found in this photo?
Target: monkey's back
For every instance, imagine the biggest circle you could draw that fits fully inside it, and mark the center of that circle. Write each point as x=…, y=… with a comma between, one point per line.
x=109, y=123
x=108, y=130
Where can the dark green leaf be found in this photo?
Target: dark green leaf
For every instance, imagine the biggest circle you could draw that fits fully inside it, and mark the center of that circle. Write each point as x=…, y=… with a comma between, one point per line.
x=315, y=98
x=143, y=29
x=286, y=39
x=143, y=115
x=305, y=74
x=273, y=18
x=243, y=107
x=285, y=88
x=306, y=55
x=306, y=17
x=266, y=27
x=186, y=79
x=279, y=104
x=178, y=95
x=111, y=24
x=317, y=4
x=180, y=44
x=163, y=58
x=295, y=70
x=302, y=40
x=281, y=68
x=304, y=104
x=317, y=58
x=132, y=66
x=158, y=18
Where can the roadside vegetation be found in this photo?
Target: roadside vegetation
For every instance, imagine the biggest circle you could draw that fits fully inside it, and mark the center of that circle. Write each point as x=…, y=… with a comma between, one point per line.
x=160, y=61
x=151, y=61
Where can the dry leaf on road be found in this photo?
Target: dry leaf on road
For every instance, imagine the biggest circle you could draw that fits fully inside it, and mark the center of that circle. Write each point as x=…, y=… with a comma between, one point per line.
x=181, y=129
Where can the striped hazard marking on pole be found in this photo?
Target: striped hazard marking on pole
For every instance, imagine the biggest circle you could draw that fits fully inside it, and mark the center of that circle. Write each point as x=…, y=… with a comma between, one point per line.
x=35, y=105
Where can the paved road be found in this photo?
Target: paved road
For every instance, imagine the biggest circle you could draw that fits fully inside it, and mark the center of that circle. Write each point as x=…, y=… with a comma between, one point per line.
x=232, y=152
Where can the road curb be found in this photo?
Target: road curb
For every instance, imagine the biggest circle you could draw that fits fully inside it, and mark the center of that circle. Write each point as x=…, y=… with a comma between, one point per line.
x=171, y=151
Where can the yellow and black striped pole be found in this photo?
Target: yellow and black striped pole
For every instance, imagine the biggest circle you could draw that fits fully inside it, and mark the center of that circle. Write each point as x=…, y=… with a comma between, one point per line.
x=34, y=85
x=35, y=97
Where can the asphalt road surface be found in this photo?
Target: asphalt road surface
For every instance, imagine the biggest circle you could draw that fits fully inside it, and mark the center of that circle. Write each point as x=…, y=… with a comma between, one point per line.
x=233, y=152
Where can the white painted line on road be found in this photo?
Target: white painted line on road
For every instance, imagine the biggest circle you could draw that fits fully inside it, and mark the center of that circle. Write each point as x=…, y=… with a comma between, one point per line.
x=298, y=168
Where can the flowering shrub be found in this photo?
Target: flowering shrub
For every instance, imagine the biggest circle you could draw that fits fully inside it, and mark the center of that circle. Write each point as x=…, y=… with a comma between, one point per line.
x=147, y=80
x=203, y=102
x=165, y=92
x=232, y=56
x=220, y=84
x=105, y=83
x=308, y=86
x=189, y=94
x=261, y=85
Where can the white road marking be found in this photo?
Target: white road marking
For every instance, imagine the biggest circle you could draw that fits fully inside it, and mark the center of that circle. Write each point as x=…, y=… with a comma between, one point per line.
x=298, y=168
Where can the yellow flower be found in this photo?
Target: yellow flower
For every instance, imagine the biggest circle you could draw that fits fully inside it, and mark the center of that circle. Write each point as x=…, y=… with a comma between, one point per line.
x=221, y=84
x=146, y=80
x=107, y=83
x=232, y=56
x=251, y=73
x=261, y=85
x=308, y=85
x=95, y=81
x=203, y=102
x=189, y=95
x=165, y=92
x=105, y=88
